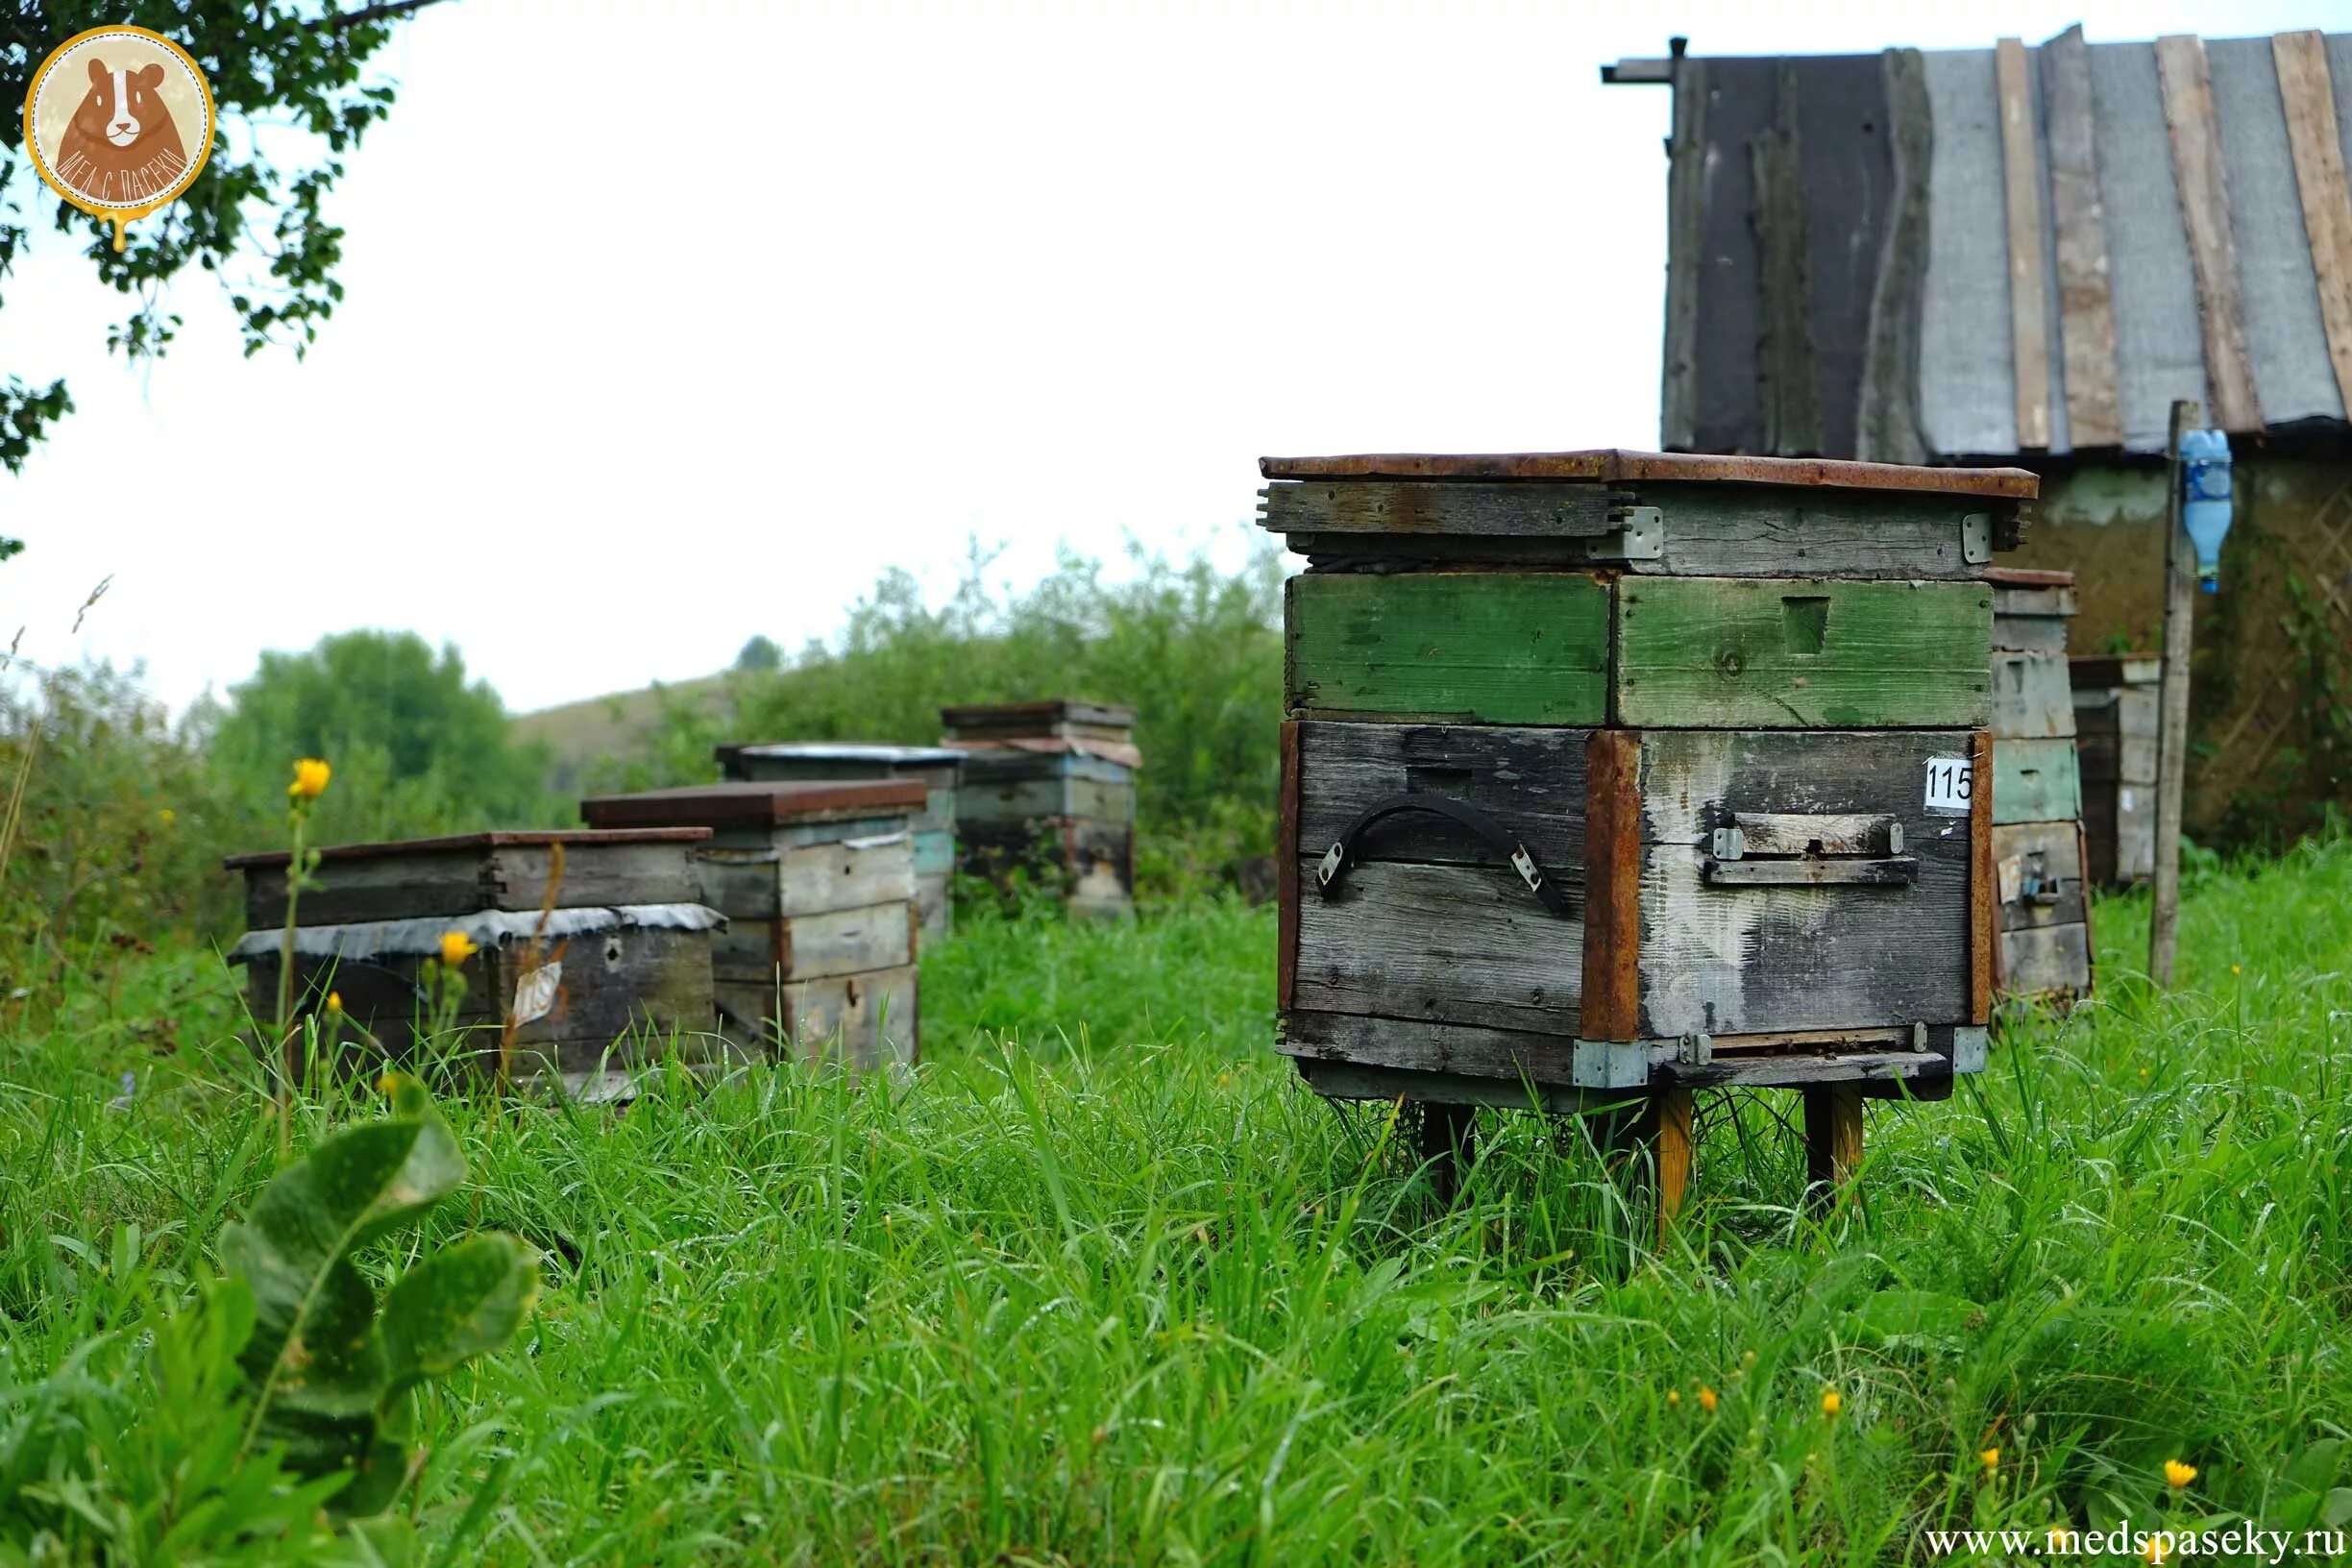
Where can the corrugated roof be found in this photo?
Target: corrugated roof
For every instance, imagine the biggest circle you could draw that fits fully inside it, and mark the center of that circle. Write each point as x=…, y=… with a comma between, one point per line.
x=1969, y=253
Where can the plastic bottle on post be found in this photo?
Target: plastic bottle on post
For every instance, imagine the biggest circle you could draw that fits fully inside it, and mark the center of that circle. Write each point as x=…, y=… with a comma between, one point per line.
x=2205, y=501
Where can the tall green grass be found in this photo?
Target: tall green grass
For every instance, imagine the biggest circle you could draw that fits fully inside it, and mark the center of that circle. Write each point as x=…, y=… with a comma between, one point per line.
x=1104, y=1284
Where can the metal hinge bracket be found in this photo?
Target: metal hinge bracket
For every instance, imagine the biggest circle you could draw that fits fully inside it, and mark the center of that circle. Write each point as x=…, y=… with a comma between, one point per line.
x=1640, y=535
x=1976, y=538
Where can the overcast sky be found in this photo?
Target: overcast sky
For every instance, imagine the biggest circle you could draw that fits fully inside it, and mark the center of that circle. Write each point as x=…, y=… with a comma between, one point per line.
x=670, y=324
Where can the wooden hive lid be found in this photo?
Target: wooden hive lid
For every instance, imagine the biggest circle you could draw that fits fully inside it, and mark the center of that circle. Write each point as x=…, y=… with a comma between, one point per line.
x=2028, y=577
x=1614, y=465
x=1034, y=719
x=571, y=838
x=906, y=756
x=764, y=804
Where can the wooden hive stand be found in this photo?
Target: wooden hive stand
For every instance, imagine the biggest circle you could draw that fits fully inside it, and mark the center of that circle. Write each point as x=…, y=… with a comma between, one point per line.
x=816, y=882
x=594, y=952
x=2038, y=844
x=1611, y=777
x=933, y=827
x=1049, y=787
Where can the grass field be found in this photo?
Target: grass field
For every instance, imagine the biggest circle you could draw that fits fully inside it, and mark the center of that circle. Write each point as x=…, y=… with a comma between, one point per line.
x=1103, y=1285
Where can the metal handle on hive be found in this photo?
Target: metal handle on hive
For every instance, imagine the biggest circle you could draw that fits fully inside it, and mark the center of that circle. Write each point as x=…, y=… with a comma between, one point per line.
x=1342, y=854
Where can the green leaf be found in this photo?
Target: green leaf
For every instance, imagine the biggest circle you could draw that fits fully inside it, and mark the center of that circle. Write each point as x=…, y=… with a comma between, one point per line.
x=315, y=1365
x=464, y=1301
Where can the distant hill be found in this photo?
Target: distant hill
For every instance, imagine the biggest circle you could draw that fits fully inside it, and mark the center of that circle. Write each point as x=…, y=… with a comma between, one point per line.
x=578, y=733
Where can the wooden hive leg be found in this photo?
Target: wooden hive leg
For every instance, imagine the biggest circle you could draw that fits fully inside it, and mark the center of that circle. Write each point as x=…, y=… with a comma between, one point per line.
x=1671, y=1111
x=1449, y=1145
x=1833, y=1138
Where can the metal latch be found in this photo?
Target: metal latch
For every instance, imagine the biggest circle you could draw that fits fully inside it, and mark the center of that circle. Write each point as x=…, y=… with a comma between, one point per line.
x=1778, y=849
x=1695, y=1050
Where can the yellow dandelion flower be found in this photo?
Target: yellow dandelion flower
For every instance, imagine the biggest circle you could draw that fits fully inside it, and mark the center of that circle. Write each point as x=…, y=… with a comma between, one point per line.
x=2235, y=969
x=2057, y=1539
x=1990, y=1459
x=167, y=815
x=1706, y=1399
x=334, y=1001
x=1673, y=1399
x=457, y=947
x=310, y=776
x=2178, y=1475
x=1832, y=1402
x=2157, y=1550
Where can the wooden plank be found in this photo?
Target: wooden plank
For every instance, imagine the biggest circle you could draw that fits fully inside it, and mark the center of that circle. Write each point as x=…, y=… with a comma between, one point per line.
x=464, y=877
x=1741, y=960
x=865, y=1022
x=935, y=904
x=2112, y=759
x=1670, y=1110
x=1530, y=781
x=2029, y=304
x=1421, y=1046
x=2213, y=249
x=2031, y=698
x=1289, y=883
x=1025, y=799
x=1787, y=386
x=1870, y=1074
x=1741, y=99
x=1347, y=1081
x=1817, y=833
x=1983, y=885
x=1711, y=530
x=1686, y=204
x=2086, y=303
x=1806, y=871
x=2036, y=781
x=1728, y=653
x=1833, y=1129
x=816, y=947
x=2029, y=634
x=1447, y=943
x=808, y=879
x=1888, y=428
x=1611, y=990
x=1490, y=510
x=1493, y=647
x=2049, y=853
x=2032, y=602
x=2048, y=961
x=2315, y=140
x=1612, y=465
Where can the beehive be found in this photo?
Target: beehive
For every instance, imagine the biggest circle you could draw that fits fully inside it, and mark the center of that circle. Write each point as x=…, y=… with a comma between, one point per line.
x=597, y=945
x=1617, y=774
x=2115, y=715
x=2038, y=847
x=1049, y=786
x=816, y=882
x=933, y=826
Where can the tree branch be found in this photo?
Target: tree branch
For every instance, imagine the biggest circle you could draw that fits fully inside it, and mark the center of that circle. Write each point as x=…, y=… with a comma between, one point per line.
x=389, y=11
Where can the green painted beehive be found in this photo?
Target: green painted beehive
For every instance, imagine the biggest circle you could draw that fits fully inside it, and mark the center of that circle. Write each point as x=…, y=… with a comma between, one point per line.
x=1616, y=773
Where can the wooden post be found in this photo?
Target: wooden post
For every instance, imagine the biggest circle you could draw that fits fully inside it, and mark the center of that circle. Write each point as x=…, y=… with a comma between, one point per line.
x=1449, y=1144
x=1833, y=1138
x=1671, y=1108
x=2172, y=725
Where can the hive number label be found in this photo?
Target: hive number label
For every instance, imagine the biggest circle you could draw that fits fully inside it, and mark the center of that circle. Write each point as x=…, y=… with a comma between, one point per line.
x=1948, y=782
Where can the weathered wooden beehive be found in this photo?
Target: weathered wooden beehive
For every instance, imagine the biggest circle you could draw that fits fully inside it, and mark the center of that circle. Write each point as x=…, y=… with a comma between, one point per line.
x=2038, y=847
x=1617, y=774
x=615, y=972
x=2116, y=714
x=1049, y=787
x=816, y=882
x=933, y=826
